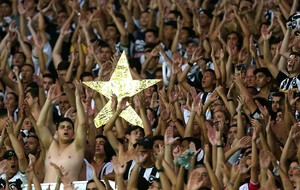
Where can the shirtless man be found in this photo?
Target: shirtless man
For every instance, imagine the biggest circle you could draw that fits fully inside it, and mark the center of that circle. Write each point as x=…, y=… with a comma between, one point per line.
x=67, y=150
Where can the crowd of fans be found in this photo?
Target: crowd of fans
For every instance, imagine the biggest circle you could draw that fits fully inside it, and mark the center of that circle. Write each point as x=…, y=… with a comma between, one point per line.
x=224, y=116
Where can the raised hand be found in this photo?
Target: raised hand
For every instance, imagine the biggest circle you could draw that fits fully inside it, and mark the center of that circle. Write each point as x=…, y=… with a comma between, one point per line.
x=21, y=9
x=252, y=47
x=61, y=173
x=196, y=103
x=212, y=135
x=214, y=96
x=294, y=132
x=9, y=126
x=3, y=166
x=119, y=168
x=244, y=142
x=154, y=101
x=53, y=93
x=169, y=136
x=64, y=30
x=176, y=66
x=263, y=110
x=264, y=159
x=106, y=70
x=30, y=167
x=153, y=4
x=174, y=94
x=266, y=35
x=139, y=157
x=123, y=104
x=291, y=98
x=196, y=55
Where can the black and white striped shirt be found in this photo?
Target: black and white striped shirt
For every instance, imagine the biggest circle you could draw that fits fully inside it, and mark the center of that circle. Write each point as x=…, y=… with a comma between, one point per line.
x=146, y=175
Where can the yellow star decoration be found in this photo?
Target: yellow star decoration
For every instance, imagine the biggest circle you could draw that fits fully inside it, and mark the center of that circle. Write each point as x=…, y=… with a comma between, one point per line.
x=122, y=85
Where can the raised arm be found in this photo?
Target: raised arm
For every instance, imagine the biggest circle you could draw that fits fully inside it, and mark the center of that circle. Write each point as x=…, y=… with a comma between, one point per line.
x=246, y=31
x=124, y=35
x=31, y=175
x=267, y=55
x=42, y=127
x=17, y=146
x=57, y=48
x=81, y=131
x=254, y=156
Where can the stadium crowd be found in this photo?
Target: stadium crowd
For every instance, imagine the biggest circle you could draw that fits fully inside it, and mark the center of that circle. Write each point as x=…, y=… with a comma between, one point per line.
x=225, y=115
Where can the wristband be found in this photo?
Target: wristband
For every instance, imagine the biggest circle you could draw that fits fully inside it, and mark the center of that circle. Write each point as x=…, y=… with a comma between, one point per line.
x=220, y=146
x=229, y=99
x=160, y=170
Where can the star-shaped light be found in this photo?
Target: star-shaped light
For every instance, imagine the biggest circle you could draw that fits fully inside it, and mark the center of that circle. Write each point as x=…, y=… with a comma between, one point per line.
x=122, y=85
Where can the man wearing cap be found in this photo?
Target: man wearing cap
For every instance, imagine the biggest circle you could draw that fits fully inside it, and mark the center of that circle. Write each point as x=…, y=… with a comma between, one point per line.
x=15, y=177
x=144, y=160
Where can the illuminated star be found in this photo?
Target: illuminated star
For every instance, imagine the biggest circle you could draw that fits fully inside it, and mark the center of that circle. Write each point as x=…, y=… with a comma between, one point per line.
x=122, y=85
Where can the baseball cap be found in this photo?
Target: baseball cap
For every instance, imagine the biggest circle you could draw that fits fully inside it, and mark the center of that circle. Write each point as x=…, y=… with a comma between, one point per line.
x=9, y=153
x=146, y=142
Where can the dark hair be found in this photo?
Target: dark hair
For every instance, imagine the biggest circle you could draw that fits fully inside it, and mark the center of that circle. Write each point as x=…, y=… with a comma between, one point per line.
x=101, y=136
x=113, y=25
x=132, y=128
x=21, y=53
x=63, y=65
x=121, y=16
x=153, y=31
x=171, y=23
x=278, y=94
x=6, y=2
x=189, y=30
x=211, y=71
x=86, y=74
x=90, y=181
x=29, y=65
x=14, y=94
x=239, y=36
x=29, y=45
x=3, y=112
x=105, y=45
x=109, y=151
x=194, y=140
x=32, y=85
x=157, y=137
x=295, y=53
x=65, y=119
x=135, y=63
x=175, y=12
x=49, y=75
x=34, y=92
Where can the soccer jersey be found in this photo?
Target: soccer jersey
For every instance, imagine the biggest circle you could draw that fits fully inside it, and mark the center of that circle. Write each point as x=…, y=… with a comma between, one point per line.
x=16, y=181
x=288, y=83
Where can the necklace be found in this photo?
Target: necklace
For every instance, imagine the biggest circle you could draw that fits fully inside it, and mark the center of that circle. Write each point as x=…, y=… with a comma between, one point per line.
x=60, y=150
